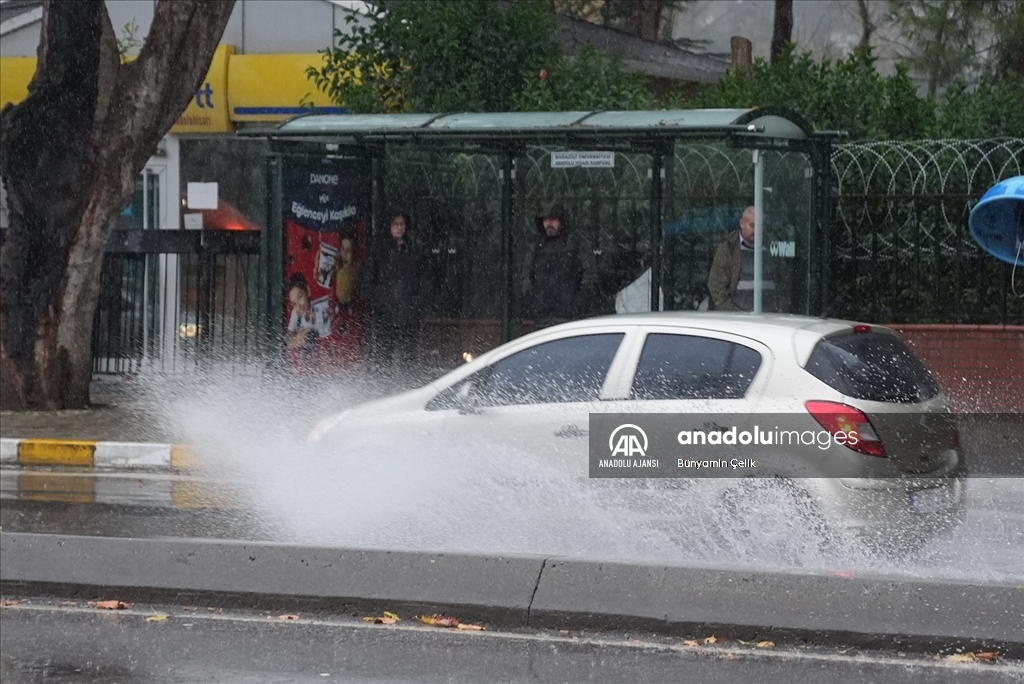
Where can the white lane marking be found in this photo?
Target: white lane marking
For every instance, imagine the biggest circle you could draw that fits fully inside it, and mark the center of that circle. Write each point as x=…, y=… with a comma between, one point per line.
x=113, y=475
x=132, y=454
x=9, y=450
x=911, y=661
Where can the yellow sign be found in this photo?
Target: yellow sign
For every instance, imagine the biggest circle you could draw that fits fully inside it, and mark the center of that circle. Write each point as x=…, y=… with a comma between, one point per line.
x=208, y=110
x=274, y=87
x=237, y=88
x=17, y=72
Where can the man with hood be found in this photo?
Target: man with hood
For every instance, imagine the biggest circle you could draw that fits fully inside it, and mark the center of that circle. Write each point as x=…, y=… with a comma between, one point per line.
x=560, y=273
x=395, y=281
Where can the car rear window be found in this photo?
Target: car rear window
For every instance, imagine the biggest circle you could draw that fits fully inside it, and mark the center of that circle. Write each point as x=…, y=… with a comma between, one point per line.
x=872, y=366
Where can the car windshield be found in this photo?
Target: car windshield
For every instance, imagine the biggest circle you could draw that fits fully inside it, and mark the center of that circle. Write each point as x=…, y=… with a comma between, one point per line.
x=872, y=366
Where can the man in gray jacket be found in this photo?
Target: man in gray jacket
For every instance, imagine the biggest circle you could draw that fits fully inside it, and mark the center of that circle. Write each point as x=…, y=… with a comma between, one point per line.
x=731, y=281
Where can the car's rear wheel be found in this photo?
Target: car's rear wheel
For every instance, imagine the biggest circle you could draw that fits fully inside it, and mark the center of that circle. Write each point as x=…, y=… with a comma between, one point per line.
x=773, y=518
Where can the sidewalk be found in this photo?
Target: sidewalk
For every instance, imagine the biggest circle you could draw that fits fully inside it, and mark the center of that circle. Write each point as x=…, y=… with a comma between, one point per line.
x=113, y=418
x=118, y=431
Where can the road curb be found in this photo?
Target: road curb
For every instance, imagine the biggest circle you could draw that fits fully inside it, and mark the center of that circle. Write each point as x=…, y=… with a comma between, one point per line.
x=94, y=454
x=525, y=591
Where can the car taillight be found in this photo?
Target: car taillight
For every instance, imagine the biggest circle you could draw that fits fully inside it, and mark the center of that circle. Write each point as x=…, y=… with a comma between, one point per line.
x=836, y=417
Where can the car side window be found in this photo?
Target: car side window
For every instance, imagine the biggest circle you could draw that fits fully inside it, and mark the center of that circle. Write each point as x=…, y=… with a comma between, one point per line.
x=693, y=367
x=566, y=370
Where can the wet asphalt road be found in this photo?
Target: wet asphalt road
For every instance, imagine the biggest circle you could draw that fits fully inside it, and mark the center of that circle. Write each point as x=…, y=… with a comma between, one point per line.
x=44, y=641
x=51, y=641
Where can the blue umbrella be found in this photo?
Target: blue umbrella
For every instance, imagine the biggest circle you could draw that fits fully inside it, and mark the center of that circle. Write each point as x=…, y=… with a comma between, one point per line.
x=997, y=221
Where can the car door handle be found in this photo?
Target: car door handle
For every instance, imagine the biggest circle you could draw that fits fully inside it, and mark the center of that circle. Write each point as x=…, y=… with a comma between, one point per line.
x=571, y=431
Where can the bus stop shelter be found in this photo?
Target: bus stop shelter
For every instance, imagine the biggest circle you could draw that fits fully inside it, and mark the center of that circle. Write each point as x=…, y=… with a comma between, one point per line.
x=653, y=191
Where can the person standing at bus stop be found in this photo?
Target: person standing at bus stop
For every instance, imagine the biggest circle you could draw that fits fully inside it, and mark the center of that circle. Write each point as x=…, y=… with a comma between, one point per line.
x=396, y=283
x=731, y=280
x=559, y=281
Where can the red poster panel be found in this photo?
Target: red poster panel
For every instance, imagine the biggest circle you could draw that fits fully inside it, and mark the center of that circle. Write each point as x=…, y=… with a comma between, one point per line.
x=325, y=234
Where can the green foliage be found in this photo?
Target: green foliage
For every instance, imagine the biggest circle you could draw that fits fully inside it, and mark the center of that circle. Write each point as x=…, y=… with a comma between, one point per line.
x=129, y=41
x=850, y=95
x=586, y=82
x=993, y=109
x=951, y=40
x=470, y=55
x=943, y=35
x=847, y=95
x=440, y=56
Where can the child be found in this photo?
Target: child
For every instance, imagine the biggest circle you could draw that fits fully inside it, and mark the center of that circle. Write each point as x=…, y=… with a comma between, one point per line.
x=301, y=332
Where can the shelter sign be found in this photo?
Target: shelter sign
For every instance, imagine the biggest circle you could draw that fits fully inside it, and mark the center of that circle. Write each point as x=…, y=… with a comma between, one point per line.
x=565, y=159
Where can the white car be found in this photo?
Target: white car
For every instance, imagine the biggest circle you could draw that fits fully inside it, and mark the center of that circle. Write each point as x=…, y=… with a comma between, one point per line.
x=903, y=481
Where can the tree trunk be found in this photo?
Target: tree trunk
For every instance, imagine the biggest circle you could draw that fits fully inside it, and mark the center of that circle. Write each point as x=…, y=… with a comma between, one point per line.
x=783, y=31
x=647, y=18
x=867, y=25
x=70, y=154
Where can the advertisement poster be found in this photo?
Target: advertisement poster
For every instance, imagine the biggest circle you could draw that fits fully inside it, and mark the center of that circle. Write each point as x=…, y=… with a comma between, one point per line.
x=326, y=214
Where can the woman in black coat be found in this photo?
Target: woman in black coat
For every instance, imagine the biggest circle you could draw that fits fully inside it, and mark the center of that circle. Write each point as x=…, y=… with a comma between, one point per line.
x=396, y=285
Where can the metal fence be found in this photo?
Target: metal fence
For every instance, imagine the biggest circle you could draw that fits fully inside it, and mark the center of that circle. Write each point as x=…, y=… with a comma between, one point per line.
x=901, y=250
x=175, y=300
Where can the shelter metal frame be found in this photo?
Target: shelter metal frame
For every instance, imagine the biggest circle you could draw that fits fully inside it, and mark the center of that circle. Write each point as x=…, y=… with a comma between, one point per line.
x=506, y=135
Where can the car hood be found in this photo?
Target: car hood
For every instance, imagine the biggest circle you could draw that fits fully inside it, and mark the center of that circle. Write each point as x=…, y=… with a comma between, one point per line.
x=374, y=410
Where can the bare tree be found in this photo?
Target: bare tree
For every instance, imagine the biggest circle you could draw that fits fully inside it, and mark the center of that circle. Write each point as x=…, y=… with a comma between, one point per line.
x=70, y=154
x=867, y=25
x=782, y=33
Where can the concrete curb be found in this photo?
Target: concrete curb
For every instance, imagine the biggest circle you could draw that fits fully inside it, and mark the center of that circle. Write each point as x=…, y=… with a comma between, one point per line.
x=525, y=591
x=116, y=488
x=94, y=454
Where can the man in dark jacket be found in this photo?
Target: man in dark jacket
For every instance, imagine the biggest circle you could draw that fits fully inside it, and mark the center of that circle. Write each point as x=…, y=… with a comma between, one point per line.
x=731, y=280
x=396, y=284
x=560, y=273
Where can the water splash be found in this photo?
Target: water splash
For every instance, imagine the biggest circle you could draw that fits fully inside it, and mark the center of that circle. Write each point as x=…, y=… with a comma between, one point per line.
x=396, y=489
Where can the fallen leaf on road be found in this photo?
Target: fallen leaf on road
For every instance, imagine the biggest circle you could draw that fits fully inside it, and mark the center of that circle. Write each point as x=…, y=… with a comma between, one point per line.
x=9, y=602
x=563, y=631
x=729, y=656
x=968, y=657
x=211, y=609
x=439, y=621
x=159, y=617
x=189, y=608
x=714, y=640
x=111, y=605
x=988, y=656
x=691, y=642
x=288, y=617
x=471, y=628
x=765, y=644
x=387, y=619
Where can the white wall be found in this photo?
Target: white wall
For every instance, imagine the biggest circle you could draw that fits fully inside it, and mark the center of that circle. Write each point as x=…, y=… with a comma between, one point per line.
x=255, y=26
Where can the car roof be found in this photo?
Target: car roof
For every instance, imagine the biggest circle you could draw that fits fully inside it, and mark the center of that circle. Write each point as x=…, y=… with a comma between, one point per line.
x=798, y=333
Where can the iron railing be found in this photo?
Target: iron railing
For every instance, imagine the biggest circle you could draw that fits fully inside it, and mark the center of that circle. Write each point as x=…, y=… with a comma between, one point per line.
x=172, y=301
x=901, y=250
